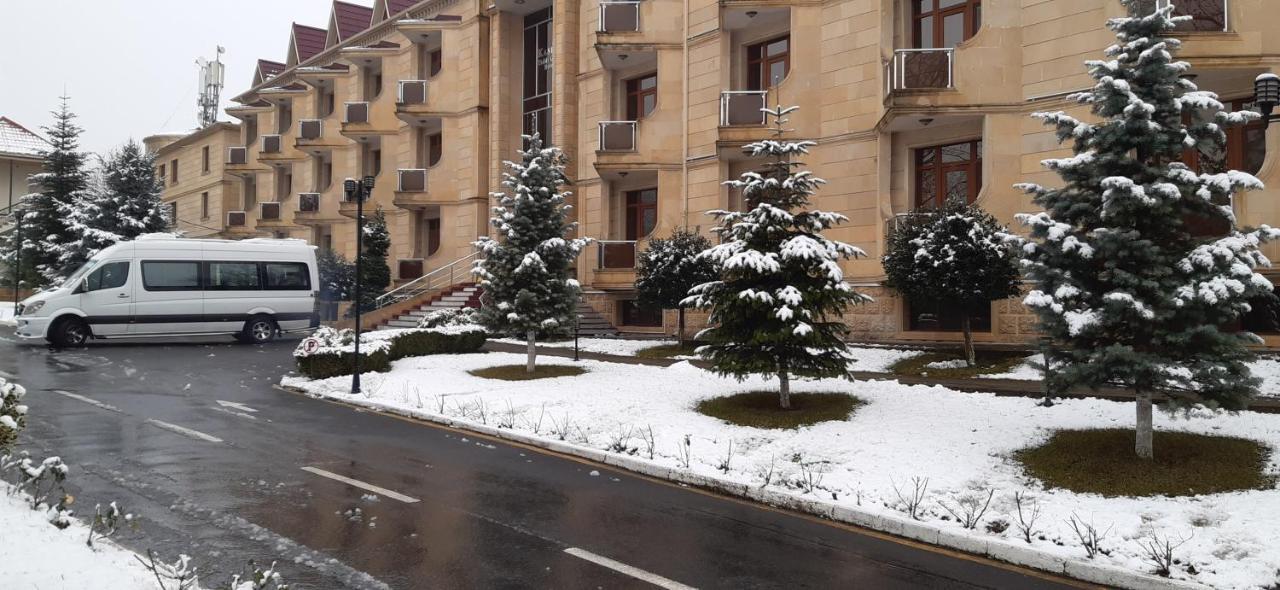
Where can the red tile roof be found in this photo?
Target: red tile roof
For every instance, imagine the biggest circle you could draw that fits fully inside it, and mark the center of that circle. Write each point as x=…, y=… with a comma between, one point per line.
x=308, y=41
x=268, y=68
x=19, y=141
x=350, y=19
x=397, y=6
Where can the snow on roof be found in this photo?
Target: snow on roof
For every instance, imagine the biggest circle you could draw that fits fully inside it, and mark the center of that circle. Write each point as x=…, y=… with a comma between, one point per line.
x=18, y=140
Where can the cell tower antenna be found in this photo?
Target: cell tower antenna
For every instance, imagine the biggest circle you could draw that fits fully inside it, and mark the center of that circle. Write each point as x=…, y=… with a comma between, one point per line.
x=212, y=76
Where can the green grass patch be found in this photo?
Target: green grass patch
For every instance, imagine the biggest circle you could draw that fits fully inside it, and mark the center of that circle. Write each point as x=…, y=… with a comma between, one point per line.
x=667, y=351
x=518, y=372
x=990, y=362
x=759, y=409
x=1103, y=462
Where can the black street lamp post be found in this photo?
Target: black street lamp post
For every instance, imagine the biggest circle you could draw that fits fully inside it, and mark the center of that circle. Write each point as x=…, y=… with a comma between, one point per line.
x=17, y=256
x=358, y=191
x=1266, y=91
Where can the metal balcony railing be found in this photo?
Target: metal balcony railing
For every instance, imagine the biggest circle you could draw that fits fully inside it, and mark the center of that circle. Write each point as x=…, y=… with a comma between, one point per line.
x=616, y=254
x=445, y=276
x=618, y=136
x=308, y=202
x=270, y=144
x=236, y=218
x=412, y=92
x=270, y=211
x=237, y=156
x=619, y=17
x=310, y=129
x=356, y=112
x=921, y=69
x=742, y=107
x=412, y=180
x=1206, y=15
x=899, y=220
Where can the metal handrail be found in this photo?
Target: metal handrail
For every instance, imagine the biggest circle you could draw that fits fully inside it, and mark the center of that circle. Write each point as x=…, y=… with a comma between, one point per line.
x=724, y=102
x=428, y=282
x=600, y=134
x=898, y=78
x=603, y=5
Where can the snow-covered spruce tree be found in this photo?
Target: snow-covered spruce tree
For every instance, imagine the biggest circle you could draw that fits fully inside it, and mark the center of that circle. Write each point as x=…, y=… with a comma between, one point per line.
x=957, y=254
x=776, y=308
x=375, y=275
x=1130, y=295
x=121, y=205
x=668, y=268
x=337, y=276
x=45, y=230
x=525, y=272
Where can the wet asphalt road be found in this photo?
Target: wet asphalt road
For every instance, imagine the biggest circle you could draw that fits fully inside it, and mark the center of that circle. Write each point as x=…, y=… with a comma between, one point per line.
x=491, y=515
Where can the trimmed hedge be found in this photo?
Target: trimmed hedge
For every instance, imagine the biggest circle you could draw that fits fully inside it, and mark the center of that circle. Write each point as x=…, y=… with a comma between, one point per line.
x=329, y=364
x=381, y=348
x=422, y=343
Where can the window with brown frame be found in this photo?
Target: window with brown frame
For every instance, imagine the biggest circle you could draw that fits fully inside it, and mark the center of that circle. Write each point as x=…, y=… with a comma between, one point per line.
x=433, y=235
x=436, y=60
x=204, y=160
x=642, y=212
x=1245, y=150
x=768, y=62
x=944, y=23
x=173, y=171
x=948, y=172
x=642, y=96
x=435, y=148
x=204, y=205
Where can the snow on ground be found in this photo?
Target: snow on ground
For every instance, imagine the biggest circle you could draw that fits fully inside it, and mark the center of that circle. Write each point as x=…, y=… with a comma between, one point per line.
x=1266, y=368
x=6, y=314
x=876, y=359
x=35, y=554
x=959, y=441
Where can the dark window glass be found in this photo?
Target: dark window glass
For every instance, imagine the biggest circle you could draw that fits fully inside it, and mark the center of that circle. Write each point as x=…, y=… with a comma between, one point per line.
x=634, y=314
x=435, y=145
x=948, y=172
x=111, y=275
x=940, y=316
x=171, y=276
x=768, y=63
x=241, y=276
x=1264, y=317
x=642, y=212
x=287, y=276
x=642, y=96
x=960, y=20
x=204, y=160
x=1246, y=147
x=437, y=61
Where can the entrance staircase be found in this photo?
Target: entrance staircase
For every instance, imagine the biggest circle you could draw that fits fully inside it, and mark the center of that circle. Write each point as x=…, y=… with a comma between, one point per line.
x=593, y=325
x=457, y=297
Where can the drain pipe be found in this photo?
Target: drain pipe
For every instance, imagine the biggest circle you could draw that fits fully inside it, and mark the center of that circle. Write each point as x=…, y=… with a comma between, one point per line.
x=684, y=106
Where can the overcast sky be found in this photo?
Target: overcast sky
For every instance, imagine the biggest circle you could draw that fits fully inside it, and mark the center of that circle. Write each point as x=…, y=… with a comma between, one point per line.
x=129, y=65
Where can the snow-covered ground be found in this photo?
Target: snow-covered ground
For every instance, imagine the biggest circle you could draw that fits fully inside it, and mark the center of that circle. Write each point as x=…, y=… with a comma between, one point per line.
x=876, y=359
x=6, y=314
x=1265, y=368
x=35, y=554
x=960, y=441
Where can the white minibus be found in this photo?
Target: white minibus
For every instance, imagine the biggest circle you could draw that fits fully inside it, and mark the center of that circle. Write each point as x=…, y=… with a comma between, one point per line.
x=161, y=285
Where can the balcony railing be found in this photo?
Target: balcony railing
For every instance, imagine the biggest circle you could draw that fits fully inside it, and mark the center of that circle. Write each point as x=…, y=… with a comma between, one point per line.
x=618, y=17
x=310, y=129
x=742, y=107
x=308, y=202
x=616, y=254
x=618, y=136
x=412, y=180
x=270, y=144
x=1206, y=15
x=237, y=156
x=901, y=220
x=270, y=211
x=921, y=69
x=409, y=268
x=412, y=92
x=236, y=218
x=357, y=112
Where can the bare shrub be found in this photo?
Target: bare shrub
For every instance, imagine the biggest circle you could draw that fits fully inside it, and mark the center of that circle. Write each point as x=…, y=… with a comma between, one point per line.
x=913, y=497
x=970, y=507
x=1159, y=549
x=1089, y=536
x=1027, y=511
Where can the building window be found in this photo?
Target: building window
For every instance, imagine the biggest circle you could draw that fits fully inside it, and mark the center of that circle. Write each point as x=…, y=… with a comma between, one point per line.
x=377, y=84
x=435, y=147
x=944, y=316
x=376, y=157
x=160, y=173
x=204, y=160
x=436, y=61
x=944, y=23
x=173, y=171
x=325, y=102
x=768, y=63
x=536, y=102
x=250, y=130
x=284, y=118
x=433, y=235
x=642, y=96
x=634, y=314
x=173, y=214
x=204, y=205
x=948, y=172
x=1264, y=315
x=642, y=212
x=1245, y=151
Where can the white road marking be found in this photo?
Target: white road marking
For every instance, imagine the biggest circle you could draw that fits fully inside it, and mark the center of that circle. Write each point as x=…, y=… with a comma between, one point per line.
x=237, y=406
x=6, y=375
x=634, y=572
x=235, y=413
x=88, y=400
x=362, y=485
x=184, y=431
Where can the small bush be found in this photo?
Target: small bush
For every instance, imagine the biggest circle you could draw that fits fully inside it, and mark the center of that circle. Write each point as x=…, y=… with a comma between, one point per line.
x=518, y=372
x=13, y=414
x=759, y=409
x=332, y=364
x=667, y=351
x=424, y=342
x=329, y=352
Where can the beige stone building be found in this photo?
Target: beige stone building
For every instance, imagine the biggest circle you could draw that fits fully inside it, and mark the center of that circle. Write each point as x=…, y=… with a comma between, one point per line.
x=197, y=189
x=910, y=102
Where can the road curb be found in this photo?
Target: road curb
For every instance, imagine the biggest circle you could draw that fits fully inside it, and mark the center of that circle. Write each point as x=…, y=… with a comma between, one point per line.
x=994, y=548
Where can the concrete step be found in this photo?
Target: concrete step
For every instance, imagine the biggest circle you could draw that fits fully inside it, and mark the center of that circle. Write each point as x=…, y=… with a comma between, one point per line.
x=401, y=322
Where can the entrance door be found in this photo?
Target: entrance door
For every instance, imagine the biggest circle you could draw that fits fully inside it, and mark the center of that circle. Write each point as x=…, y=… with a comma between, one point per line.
x=107, y=300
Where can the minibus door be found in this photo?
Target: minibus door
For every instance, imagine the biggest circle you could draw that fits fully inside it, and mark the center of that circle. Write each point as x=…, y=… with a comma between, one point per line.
x=107, y=297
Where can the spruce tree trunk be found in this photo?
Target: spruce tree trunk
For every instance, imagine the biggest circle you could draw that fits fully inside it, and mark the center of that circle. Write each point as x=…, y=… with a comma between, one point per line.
x=784, y=390
x=1144, y=445
x=966, y=326
x=680, y=326
x=532, y=338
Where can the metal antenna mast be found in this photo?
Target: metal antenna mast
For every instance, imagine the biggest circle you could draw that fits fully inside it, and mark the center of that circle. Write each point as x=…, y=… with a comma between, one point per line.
x=212, y=76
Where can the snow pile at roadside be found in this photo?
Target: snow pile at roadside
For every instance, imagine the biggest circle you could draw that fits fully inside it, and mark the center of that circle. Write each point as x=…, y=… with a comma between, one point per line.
x=35, y=554
x=6, y=314
x=961, y=442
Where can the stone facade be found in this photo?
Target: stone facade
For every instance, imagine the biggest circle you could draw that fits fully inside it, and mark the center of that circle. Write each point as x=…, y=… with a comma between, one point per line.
x=879, y=108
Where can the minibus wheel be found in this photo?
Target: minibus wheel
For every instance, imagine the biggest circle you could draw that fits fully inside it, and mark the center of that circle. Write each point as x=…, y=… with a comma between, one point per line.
x=258, y=329
x=69, y=332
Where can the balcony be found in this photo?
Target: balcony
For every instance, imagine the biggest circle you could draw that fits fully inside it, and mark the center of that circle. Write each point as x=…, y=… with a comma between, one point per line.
x=411, y=189
x=616, y=254
x=237, y=219
x=619, y=17
x=310, y=129
x=355, y=113
x=270, y=144
x=238, y=162
x=311, y=138
x=617, y=136
x=308, y=202
x=269, y=211
x=1207, y=16
x=272, y=151
x=411, y=92
x=739, y=108
x=920, y=70
x=410, y=268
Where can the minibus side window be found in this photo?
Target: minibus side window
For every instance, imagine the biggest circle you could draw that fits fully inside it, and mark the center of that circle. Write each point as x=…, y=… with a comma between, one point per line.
x=171, y=276
x=287, y=276
x=111, y=275
x=233, y=276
